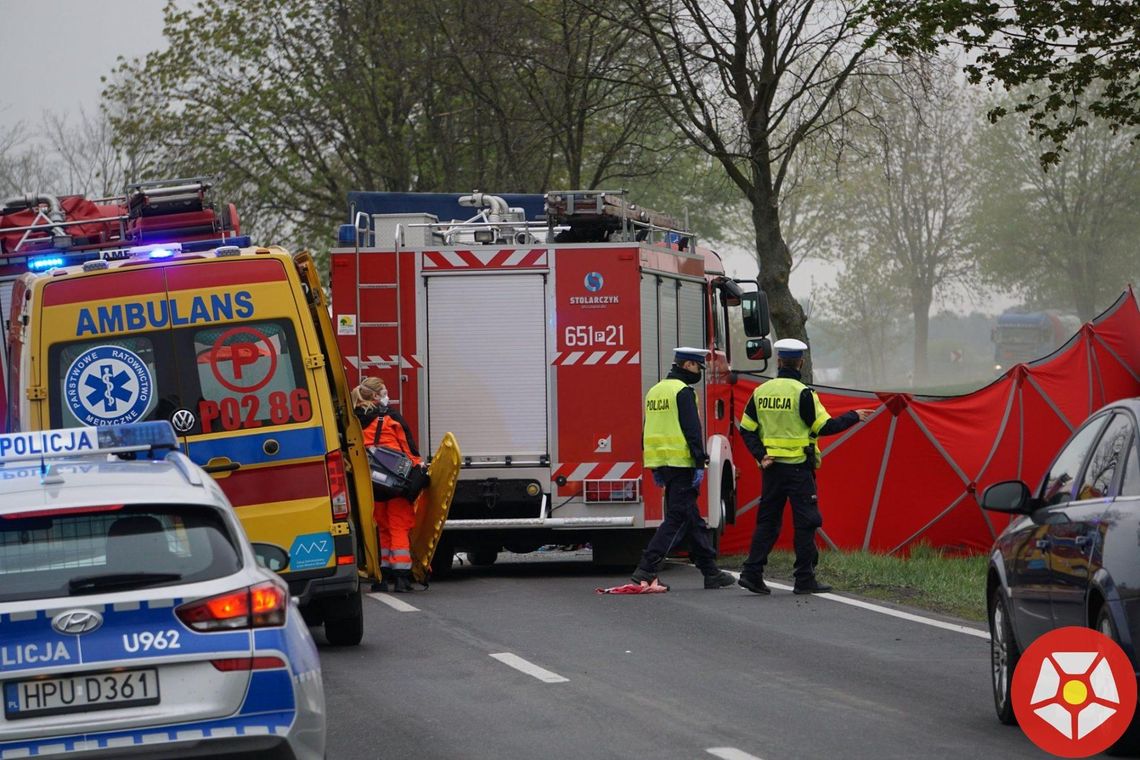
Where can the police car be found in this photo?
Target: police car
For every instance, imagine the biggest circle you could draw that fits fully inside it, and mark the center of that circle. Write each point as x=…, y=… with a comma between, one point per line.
x=135, y=618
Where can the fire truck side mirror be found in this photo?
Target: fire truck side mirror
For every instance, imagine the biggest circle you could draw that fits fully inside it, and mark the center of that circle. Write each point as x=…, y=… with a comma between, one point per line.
x=758, y=349
x=754, y=311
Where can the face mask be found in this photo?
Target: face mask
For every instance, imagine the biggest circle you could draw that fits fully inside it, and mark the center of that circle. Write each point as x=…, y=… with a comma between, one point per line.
x=383, y=400
x=689, y=377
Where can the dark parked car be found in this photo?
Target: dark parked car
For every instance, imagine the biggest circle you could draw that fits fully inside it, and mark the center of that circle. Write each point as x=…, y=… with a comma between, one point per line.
x=1071, y=554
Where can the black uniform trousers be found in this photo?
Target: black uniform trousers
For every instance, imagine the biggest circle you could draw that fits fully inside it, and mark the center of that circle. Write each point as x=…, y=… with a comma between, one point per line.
x=781, y=483
x=682, y=518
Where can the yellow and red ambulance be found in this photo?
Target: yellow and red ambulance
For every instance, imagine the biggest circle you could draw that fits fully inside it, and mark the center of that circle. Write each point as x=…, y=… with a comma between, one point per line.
x=234, y=346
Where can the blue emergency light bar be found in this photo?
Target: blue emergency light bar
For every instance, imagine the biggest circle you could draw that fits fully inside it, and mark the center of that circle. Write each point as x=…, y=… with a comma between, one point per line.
x=152, y=438
x=44, y=263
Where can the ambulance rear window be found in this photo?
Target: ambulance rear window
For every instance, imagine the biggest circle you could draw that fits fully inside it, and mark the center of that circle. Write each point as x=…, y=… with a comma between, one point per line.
x=112, y=548
x=111, y=380
x=246, y=375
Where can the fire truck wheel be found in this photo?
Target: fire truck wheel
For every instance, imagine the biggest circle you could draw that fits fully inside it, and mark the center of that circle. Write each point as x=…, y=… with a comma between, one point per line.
x=482, y=557
x=728, y=497
x=344, y=621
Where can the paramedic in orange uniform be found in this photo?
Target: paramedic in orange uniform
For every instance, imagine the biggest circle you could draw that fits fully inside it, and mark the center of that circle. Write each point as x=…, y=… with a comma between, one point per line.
x=383, y=426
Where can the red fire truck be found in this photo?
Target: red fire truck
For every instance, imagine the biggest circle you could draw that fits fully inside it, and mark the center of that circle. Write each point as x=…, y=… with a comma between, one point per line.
x=534, y=342
x=40, y=231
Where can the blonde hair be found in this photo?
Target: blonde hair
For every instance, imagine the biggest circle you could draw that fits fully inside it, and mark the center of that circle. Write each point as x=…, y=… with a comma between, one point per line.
x=365, y=395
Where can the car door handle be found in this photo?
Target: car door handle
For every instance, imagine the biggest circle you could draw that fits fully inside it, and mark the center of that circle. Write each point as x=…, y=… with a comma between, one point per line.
x=221, y=464
x=1042, y=543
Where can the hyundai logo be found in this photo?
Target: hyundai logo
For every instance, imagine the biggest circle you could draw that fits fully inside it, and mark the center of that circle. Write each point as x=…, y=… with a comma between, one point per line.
x=183, y=420
x=76, y=622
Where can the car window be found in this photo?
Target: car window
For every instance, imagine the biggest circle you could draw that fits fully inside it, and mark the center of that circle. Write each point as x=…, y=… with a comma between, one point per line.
x=44, y=555
x=1130, y=485
x=1106, y=458
x=1060, y=480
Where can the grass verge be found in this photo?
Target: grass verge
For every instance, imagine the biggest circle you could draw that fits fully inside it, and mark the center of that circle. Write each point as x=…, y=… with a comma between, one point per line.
x=926, y=579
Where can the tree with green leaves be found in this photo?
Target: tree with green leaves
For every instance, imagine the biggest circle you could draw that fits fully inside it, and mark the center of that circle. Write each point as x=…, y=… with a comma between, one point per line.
x=1081, y=56
x=1065, y=235
x=751, y=84
x=295, y=102
x=906, y=194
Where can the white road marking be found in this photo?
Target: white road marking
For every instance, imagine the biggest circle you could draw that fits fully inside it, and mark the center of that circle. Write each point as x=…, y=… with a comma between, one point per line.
x=730, y=753
x=888, y=611
x=399, y=605
x=525, y=666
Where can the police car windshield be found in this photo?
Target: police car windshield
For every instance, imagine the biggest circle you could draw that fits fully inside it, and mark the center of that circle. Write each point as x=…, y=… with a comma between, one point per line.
x=111, y=548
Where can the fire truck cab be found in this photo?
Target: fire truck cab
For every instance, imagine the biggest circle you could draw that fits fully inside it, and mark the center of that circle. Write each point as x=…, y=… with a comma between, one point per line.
x=534, y=342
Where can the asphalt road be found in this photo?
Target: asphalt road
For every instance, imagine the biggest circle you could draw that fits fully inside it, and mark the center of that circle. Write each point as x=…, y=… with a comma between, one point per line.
x=670, y=675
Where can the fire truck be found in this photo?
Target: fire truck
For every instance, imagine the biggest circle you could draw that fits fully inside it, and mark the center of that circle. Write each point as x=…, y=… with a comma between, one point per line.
x=41, y=231
x=534, y=341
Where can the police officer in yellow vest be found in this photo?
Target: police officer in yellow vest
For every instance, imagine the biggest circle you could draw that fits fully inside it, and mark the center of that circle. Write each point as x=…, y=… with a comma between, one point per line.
x=780, y=426
x=674, y=449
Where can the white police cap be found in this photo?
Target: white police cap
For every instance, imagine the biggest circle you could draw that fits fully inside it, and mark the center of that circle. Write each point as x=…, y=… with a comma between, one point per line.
x=790, y=348
x=686, y=354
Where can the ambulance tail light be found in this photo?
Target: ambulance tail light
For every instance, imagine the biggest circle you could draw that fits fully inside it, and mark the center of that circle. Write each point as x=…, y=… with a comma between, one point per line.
x=338, y=485
x=259, y=606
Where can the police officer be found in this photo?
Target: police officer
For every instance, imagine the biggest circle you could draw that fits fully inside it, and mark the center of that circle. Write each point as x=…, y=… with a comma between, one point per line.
x=674, y=449
x=780, y=426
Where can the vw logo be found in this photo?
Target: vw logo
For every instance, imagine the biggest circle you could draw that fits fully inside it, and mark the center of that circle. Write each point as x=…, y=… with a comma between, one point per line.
x=76, y=622
x=183, y=420
x=594, y=282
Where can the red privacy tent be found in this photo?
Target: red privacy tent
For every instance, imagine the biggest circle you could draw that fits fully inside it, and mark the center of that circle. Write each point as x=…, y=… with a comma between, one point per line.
x=914, y=471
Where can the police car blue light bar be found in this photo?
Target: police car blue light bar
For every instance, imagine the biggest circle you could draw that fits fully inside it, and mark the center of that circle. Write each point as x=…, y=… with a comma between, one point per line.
x=155, y=438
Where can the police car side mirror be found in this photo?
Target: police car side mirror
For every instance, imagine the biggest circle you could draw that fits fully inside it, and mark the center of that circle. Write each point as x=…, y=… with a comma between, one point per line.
x=758, y=348
x=271, y=557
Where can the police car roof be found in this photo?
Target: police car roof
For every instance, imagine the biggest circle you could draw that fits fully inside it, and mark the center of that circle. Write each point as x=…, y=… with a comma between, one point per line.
x=89, y=482
x=36, y=472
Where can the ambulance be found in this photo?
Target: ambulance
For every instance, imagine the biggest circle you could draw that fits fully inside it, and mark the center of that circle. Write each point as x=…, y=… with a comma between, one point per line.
x=234, y=347
x=534, y=341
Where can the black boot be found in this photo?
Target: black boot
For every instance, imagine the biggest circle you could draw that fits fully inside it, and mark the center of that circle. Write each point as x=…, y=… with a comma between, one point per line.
x=403, y=581
x=382, y=584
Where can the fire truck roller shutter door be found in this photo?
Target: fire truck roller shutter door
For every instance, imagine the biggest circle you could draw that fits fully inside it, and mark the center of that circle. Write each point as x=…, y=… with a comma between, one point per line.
x=487, y=363
x=667, y=335
x=691, y=315
x=649, y=341
x=691, y=325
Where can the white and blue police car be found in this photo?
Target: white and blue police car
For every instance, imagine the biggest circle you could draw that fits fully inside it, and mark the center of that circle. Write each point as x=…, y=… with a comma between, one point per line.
x=136, y=620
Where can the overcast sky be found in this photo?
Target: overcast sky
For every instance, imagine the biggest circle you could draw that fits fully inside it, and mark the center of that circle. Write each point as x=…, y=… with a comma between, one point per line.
x=52, y=52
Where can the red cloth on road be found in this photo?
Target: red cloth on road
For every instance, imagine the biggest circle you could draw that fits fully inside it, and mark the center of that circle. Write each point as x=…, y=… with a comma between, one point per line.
x=634, y=588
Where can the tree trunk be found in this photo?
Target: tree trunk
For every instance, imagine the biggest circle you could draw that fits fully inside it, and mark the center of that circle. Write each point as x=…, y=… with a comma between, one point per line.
x=775, y=267
x=920, y=302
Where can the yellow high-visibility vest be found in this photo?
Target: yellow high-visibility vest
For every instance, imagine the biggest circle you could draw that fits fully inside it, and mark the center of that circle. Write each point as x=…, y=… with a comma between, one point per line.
x=782, y=430
x=663, y=441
